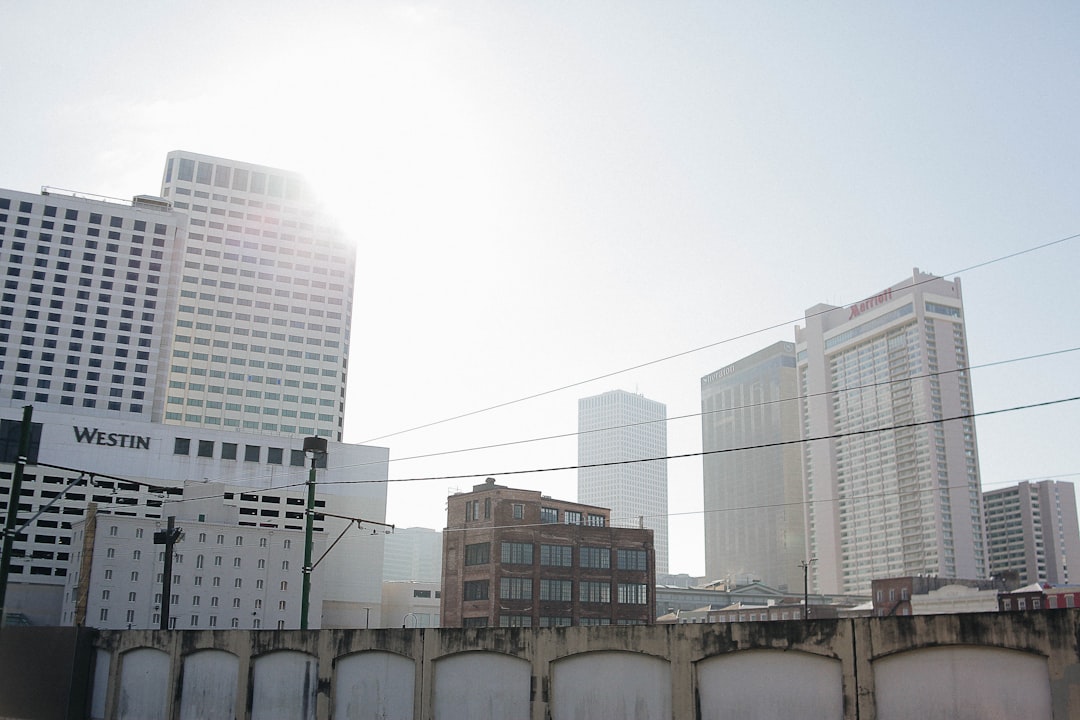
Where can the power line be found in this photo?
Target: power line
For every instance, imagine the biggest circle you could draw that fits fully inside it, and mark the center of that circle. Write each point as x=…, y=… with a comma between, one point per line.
x=883, y=383
x=708, y=346
x=762, y=446
x=173, y=489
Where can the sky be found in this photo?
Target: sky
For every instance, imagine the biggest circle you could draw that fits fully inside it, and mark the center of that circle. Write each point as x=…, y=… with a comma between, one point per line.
x=544, y=195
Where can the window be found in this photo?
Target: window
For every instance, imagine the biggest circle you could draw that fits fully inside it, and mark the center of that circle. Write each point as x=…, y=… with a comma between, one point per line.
x=517, y=553
x=549, y=515
x=631, y=559
x=474, y=622
x=181, y=446
x=594, y=557
x=519, y=511
x=421, y=593
x=511, y=588
x=206, y=448
x=252, y=453
x=597, y=520
x=198, y=561
x=572, y=517
x=135, y=576
x=478, y=554
x=515, y=621
x=228, y=451
x=548, y=621
x=475, y=590
x=104, y=615
x=556, y=555
x=557, y=590
x=594, y=592
x=633, y=593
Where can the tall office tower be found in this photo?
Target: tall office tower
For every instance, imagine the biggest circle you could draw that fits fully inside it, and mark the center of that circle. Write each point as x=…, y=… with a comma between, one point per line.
x=614, y=427
x=754, y=516
x=886, y=495
x=1032, y=529
x=264, y=303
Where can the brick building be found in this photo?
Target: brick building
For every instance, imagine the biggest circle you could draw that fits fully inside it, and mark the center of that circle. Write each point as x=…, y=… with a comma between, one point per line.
x=514, y=558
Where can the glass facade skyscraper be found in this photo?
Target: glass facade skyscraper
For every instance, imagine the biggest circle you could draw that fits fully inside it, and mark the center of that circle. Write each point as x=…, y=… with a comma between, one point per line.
x=614, y=427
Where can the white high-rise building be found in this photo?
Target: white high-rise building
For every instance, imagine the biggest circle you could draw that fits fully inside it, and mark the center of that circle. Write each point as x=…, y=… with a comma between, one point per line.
x=1032, y=529
x=888, y=492
x=264, y=301
x=199, y=336
x=614, y=427
x=754, y=515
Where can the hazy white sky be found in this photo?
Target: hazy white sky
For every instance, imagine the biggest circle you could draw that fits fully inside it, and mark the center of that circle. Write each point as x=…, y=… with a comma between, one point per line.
x=543, y=193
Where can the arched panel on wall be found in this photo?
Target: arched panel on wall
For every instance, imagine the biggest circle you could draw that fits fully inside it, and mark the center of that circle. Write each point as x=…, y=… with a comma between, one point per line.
x=100, y=690
x=770, y=684
x=374, y=686
x=962, y=683
x=144, y=684
x=284, y=684
x=611, y=685
x=209, y=686
x=482, y=686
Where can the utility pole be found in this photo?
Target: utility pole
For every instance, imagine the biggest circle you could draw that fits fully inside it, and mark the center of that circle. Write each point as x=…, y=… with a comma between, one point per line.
x=317, y=447
x=168, y=538
x=805, y=565
x=13, y=507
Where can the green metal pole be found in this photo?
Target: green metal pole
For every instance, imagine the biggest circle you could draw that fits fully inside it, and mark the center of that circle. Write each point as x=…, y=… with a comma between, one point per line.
x=10, y=520
x=309, y=522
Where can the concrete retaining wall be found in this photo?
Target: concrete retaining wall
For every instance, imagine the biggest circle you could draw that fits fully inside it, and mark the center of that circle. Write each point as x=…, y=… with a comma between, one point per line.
x=962, y=666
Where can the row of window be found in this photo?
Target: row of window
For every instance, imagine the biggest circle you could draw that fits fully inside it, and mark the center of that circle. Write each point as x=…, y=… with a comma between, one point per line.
x=515, y=588
x=545, y=621
x=252, y=453
x=72, y=214
x=513, y=553
x=256, y=623
x=305, y=430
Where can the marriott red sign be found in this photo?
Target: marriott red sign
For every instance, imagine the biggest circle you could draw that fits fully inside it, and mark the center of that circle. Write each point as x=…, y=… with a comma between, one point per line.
x=869, y=303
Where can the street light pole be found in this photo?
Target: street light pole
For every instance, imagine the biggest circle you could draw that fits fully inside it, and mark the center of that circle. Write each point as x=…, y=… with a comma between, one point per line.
x=10, y=521
x=317, y=447
x=805, y=565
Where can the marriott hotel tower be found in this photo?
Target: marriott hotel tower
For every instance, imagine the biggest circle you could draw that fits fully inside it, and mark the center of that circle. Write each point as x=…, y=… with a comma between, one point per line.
x=889, y=493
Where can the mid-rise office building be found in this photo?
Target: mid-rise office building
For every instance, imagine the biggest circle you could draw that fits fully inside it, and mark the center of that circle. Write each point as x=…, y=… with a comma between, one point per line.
x=1032, y=530
x=616, y=427
x=889, y=491
x=514, y=558
x=224, y=575
x=754, y=514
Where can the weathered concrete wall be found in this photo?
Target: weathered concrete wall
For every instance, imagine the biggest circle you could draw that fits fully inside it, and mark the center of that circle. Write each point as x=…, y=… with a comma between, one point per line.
x=964, y=666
